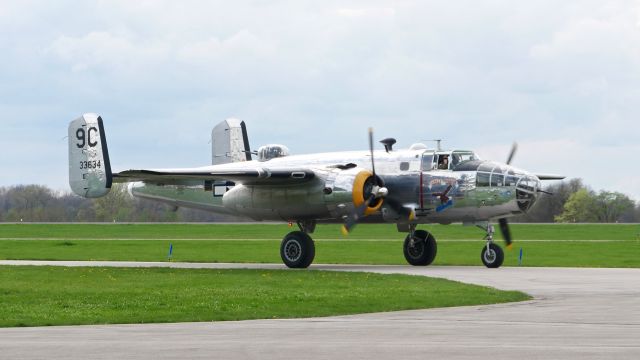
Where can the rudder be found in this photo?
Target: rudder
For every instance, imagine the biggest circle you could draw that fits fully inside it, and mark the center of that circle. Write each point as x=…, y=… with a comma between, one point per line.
x=89, y=165
x=229, y=142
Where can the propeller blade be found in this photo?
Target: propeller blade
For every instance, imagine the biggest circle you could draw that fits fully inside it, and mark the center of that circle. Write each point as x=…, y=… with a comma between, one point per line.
x=378, y=192
x=373, y=165
x=353, y=219
x=506, y=233
x=514, y=147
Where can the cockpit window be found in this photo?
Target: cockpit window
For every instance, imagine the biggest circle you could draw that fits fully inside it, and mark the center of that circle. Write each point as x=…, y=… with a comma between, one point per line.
x=451, y=160
x=427, y=162
x=443, y=162
x=461, y=156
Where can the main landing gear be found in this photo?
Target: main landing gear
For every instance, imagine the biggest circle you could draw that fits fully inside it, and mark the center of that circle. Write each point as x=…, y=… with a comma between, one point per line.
x=297, y=249
x=492, y=255
x=420, y=247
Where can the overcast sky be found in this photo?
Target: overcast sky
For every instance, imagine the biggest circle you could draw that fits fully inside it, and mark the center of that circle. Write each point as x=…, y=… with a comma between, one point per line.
x=560, y=77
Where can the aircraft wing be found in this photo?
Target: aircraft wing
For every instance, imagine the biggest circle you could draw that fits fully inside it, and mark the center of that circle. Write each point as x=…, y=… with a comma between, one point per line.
x=249, y=176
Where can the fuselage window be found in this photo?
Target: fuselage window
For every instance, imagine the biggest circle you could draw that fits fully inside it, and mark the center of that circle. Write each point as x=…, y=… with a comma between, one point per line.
x=427, y=162
x=510, y=180
x=443, y=162
x=497, y=179
x=483, y=179
x=404, y=166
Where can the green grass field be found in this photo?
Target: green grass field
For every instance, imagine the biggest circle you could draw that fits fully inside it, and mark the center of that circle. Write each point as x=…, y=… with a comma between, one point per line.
x=542, y=245
x=32, y=296
x=36, y=296
x=277, y=231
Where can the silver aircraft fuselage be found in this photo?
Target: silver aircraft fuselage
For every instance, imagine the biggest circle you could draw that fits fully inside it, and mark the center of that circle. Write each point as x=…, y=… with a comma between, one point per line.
x=405, y=187
x=469, y=191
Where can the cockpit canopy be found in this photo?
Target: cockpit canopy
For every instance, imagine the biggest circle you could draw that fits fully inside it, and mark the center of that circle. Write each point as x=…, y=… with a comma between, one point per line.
x=446, y=160
x=272, y=151
x=497, y=175
x=458, y=157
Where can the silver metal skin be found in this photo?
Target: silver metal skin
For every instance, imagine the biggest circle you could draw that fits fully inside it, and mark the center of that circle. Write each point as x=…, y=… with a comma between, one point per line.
x=228, y=142
x=407, y=184
x=406, y=187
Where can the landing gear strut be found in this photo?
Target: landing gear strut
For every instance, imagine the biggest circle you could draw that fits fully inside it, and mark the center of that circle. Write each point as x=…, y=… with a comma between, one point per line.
x=491, y=255
x=420, y=247
x=297, y=249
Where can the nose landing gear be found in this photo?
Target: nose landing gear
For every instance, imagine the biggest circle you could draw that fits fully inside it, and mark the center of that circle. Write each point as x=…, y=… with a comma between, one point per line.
x=491, y=255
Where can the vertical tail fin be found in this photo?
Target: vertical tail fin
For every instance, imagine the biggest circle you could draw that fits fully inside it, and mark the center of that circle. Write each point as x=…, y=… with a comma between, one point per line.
x=89, y=166
x=229, y=142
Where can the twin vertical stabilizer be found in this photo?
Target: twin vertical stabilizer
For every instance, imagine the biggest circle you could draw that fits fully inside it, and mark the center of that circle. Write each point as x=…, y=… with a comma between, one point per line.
x=90, y=173
x=229, y=142
x=89, y=167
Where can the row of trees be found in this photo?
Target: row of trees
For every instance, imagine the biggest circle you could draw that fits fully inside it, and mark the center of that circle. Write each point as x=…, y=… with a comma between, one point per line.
x=37, y=203
x=572, y=201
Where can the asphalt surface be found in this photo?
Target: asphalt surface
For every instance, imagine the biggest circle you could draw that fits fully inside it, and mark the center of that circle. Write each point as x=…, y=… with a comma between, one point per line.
x=576, y=314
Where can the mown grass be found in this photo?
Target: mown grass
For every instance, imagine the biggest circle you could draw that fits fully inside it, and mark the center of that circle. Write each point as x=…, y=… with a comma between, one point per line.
x=542, y=245
x=277, y=231
x=36, y=296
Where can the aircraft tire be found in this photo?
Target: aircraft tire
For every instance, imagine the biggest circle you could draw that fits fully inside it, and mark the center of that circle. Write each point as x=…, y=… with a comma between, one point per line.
x=494, y=257
x=424, y=250
x=297, y=250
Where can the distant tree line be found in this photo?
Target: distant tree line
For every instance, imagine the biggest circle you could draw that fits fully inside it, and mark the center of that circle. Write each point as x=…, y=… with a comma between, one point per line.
x=572, y=201
x=37, y=203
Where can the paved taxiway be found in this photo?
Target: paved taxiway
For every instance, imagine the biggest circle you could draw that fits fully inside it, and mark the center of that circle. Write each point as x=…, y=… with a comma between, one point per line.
x=576, y=314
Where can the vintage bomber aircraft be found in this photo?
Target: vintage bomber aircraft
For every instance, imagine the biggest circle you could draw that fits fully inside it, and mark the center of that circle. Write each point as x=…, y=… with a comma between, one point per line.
x=405, y=187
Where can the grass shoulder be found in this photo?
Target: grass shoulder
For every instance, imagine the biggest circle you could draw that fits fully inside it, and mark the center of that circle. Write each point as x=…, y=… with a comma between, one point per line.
x=40, y=296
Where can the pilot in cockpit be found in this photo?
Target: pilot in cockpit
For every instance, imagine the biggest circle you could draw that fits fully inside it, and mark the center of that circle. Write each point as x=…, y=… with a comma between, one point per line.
x=443, y=164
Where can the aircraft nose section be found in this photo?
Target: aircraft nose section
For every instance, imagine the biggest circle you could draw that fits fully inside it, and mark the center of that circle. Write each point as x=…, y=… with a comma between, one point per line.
x=527, y=191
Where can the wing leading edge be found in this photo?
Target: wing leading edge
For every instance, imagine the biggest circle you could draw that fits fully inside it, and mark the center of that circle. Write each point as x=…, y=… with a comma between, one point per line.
x=254, y=176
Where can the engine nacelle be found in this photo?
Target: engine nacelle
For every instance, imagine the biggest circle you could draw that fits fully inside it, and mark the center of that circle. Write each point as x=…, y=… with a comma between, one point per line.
x=332, y=194
x=346, y=190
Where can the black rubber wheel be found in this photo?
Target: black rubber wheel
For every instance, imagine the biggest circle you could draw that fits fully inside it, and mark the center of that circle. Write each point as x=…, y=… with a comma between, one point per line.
x=297, y=250
x=492, y=257
x=422, y=250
